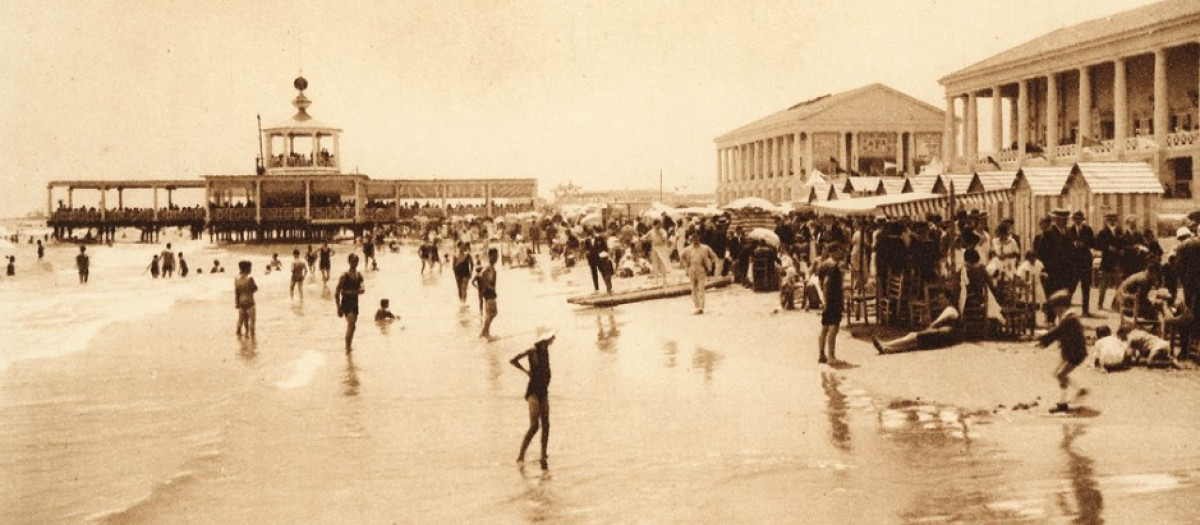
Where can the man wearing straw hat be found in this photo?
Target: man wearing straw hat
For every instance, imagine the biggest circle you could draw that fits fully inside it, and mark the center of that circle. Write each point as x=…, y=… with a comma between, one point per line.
x=537, y=392
x=699, y=261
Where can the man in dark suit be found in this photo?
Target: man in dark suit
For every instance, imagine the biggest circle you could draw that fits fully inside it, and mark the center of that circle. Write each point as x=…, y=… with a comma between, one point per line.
x=1079, y=261
x=1187, y=263
x=1054, y=252
x=1109, y=244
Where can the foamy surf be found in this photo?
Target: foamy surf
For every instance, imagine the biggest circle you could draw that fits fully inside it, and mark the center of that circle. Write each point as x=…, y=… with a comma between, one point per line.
x=303, y=370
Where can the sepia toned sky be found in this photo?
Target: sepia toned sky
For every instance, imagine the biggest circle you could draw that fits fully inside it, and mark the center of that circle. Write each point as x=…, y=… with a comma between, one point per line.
x=601, y=93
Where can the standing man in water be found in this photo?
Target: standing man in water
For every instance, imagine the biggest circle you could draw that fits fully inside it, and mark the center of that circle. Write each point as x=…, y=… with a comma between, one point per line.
x=349, y=287
x=299, y=270
x=463, y=269
x=243, y=298
x=323, y=258
x=537, y=393
x=487, y=289
x=82, y=262
x=168, y=262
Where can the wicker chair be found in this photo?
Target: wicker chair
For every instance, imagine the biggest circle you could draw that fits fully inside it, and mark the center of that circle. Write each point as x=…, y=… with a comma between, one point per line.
x=888, y=304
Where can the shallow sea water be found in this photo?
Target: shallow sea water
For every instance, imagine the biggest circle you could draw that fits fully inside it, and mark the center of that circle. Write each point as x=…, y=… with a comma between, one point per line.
x=131, y=401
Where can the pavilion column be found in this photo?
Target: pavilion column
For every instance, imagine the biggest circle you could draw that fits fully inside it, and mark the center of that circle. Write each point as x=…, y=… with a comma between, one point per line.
x=1120, y=108
x=1161, y=118
x=809, y=162
x=358, y=201
x=1022, y=118
x=971, y=140
x=797, y=154
x=397, y=200
x=49, y=200
x=487, y=198
x=772, y=157
x=337, y=152
x=1013, y=121
x=308, y=199
x=1085, y=107
x=291, y=149
x=258, y=201
x=70, y=197
x=207, y=201
x=270, y=150
x=720, y=165
x=841, y=160
x=948, y=133
x=120, y=198
x=760, y=153
x=910, y=159
x=997, y=120
x=899, y=152
x=777, y=161
x=103, y=203
x=170, y=197
x=1052, y=131
x=852, y=157
x=154, y=191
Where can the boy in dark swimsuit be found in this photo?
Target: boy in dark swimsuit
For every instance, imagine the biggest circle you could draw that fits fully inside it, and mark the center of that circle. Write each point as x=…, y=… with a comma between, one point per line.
x=324, y=256
x=1072, y=345
x=349, y=287
x=243, y=299
x=83, y=262
x=487, y=290
x=537, y=393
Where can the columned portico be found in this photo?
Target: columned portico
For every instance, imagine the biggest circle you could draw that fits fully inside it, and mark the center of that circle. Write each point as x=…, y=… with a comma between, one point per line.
x=1120, y=108
x=1022, y=118
x=1085, y=107
x=997, y=119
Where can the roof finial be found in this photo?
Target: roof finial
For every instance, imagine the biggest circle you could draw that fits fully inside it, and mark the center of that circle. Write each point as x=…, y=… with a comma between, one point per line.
x=301, y=102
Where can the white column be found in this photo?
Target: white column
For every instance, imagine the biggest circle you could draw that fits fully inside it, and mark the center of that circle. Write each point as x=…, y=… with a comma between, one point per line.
x=852, y=155
x=842, y=160
x=948, y=133
x=899, y=153
x=337, y=152
x=997, y=120
x=971, y=140
x=1120, y=107
x=808, y=154
x=1022, y=118
x=910, y=162
x=269, y=150
x=207, y=201
x=797, y=155
x=103, y=201
x=49, y=200
x=154, y=190
x=1161, y=119
x=1085, y=106
x=1052, y=132
x=71, y=198
x=1013, y=121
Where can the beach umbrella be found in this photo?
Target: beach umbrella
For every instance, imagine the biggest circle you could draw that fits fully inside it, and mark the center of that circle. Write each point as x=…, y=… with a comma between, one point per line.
x=591, y=218
x=765, y=235
x=751, y=202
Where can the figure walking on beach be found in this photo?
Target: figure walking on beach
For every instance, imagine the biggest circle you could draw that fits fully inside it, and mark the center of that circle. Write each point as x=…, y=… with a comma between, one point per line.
x=463, y=269
x=831, y=316
x=487, y=289
x=1069, y=334
x=349, y=287
x=698, y=260
x=324, y=256
x=537, y=393
x=299, y=270
x=243, y=299
x=660, y=250
x=83, y=263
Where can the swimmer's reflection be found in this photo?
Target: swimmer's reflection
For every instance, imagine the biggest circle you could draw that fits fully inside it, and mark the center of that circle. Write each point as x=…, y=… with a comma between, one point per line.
x=539, y=495
x=839, y=430
x=248, y=349
x=606, y=337
x=1088, y=499
x=350, y=384
x=706, y=360
x=670, y=349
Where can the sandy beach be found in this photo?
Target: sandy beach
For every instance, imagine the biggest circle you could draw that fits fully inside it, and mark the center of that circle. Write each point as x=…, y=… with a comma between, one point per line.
x=659, y=415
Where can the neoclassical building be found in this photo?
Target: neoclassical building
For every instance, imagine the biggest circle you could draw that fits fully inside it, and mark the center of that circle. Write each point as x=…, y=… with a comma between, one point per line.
x=872, y=130
x=1119, y=88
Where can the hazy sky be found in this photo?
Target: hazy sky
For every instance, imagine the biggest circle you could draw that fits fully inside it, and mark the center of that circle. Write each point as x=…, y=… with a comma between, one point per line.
x=602, y=93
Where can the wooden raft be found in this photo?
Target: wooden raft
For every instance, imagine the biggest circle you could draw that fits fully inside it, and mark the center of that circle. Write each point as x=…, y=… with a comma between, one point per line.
x=602, y=300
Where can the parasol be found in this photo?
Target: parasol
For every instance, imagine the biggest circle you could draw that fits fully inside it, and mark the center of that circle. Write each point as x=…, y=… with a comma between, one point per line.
x=765, y=235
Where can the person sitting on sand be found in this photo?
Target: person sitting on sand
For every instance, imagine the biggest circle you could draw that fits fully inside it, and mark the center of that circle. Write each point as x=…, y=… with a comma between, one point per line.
x=941, y=333
x=1147, y=348
x=628, y=267
x=1111, y=351
x=383, y=315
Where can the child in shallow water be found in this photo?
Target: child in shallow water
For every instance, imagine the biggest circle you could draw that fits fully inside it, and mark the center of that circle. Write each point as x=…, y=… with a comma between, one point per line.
x=383, y=314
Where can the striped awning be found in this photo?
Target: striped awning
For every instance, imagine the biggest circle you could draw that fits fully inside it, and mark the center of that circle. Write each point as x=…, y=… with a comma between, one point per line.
x=937, y=204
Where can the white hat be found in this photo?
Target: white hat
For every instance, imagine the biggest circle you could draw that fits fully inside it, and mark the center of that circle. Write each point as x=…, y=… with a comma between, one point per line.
x=1183, y=232
x=546, y=336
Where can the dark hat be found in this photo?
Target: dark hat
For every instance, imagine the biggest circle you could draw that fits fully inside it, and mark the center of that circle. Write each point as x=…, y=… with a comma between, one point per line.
x=1077, y=215
x=1194, y=216
x=1061, y=212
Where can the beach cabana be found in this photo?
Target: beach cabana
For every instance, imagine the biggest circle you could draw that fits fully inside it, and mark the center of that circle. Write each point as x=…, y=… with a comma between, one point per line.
x=927, y=184
x=862, y=186
x=890, y=205
x=1036, y=192
x=1124, y=188
x=895, y=185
